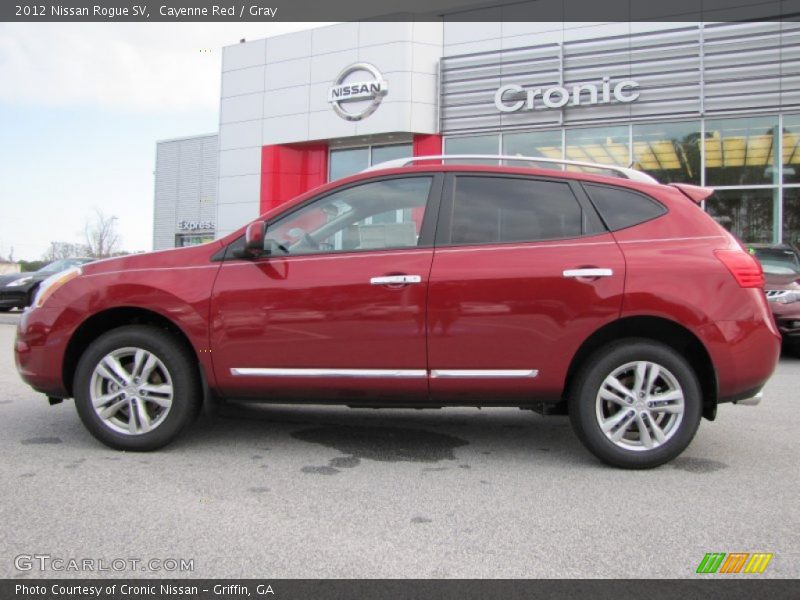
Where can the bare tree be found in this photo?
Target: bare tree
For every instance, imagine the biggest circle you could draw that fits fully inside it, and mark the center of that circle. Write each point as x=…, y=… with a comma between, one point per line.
x=102, y=238
x=58, y=250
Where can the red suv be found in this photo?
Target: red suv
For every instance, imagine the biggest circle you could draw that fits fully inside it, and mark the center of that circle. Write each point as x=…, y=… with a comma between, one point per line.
x=606, y=296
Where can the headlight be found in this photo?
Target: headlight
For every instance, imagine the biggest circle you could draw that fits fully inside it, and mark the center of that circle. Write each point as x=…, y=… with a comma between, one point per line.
x=52, y=283
x=20, y=281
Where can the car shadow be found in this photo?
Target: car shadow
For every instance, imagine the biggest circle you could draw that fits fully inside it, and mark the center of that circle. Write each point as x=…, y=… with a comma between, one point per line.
x=388, y=435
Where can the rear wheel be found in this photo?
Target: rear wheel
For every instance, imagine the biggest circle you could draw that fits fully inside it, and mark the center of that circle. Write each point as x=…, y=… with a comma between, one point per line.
x=636, y=404
x=136, y=388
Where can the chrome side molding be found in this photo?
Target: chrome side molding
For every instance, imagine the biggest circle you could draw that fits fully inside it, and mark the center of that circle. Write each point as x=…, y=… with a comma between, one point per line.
x=479, y=373
x=402, y=373
x=259, y=372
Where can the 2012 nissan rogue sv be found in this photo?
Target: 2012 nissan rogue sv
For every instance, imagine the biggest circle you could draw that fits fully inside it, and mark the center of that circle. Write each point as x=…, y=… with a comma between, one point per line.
x=426, y=283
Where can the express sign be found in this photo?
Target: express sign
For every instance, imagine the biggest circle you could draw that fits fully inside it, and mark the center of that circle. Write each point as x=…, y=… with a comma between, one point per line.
x=512, y=97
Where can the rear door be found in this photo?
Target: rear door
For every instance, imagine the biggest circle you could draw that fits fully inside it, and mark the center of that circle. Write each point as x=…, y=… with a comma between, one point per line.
x=524, y=271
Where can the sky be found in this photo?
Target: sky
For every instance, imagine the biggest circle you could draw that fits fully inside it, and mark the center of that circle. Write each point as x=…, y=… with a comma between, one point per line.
x=81, y=108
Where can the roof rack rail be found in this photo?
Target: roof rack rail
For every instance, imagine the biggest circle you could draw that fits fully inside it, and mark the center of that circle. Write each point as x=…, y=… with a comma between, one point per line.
x=625, y=172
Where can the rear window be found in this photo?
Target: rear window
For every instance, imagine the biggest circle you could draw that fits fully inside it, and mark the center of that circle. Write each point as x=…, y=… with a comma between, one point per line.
x=489, y=210
x=622, y=208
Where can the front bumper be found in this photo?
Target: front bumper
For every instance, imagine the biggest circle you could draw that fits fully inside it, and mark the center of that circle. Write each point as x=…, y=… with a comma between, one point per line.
x=787, y=318
x=39, y=351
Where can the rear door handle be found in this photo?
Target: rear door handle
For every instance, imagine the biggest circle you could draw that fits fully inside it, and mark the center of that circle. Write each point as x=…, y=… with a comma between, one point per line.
x=395, y=280
x=589, y=272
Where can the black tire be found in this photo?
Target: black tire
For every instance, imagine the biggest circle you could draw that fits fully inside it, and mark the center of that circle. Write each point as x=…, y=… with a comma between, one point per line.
x=584, y=406
x=5, y=308
x=181, y=366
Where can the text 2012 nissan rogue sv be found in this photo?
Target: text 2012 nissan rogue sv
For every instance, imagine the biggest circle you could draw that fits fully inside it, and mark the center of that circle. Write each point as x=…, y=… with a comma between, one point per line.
x=426, y=284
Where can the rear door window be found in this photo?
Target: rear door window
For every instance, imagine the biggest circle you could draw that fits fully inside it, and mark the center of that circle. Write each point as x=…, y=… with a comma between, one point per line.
x=488, y=210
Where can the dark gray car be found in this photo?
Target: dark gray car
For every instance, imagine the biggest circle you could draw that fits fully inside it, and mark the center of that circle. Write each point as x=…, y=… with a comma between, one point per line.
x=18, y=289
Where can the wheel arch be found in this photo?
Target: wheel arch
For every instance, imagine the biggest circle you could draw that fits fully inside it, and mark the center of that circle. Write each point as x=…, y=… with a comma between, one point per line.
x=659, y=329
x=109, y=319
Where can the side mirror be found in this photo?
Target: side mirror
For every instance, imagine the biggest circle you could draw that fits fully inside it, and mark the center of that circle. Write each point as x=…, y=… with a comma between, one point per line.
x=254, y=239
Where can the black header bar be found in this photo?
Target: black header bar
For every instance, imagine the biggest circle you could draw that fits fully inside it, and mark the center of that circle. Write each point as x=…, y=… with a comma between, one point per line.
x=183, y=11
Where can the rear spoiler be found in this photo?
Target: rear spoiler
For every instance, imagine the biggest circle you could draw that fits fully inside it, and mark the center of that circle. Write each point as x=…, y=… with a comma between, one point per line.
x=694, y=192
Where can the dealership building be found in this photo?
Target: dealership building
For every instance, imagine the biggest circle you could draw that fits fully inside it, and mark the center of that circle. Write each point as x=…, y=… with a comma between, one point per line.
x=714, y=104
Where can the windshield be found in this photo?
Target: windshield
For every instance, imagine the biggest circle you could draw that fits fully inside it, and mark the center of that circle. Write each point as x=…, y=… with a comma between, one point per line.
x=778, y=261
x=61, y=265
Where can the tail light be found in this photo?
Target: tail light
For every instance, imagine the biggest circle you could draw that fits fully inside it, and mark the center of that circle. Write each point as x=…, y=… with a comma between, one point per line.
x=744, y=268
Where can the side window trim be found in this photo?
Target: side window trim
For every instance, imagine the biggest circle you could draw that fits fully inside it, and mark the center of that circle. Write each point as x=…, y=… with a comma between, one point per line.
x=591, y=224
x=427, y=230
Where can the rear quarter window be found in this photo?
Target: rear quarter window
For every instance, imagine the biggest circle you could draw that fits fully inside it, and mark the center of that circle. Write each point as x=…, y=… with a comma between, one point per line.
x=621, y=208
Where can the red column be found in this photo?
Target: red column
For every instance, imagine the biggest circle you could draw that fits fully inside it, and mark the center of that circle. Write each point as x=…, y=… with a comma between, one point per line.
x=289, y=170
x=427, y=145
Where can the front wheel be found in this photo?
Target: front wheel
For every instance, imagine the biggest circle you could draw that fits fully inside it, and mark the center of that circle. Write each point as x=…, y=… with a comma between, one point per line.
x=636, y=404
x=136, y=388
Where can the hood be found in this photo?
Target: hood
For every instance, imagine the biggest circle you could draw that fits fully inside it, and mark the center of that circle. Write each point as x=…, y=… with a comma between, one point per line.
x=782, y=282
x=160, y=259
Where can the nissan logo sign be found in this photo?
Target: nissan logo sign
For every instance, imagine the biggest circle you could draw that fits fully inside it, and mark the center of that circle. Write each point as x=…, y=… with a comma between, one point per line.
x=512, y=97
x=357, y=91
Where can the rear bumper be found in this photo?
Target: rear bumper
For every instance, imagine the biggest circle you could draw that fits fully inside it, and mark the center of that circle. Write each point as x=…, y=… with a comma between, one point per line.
x=745, y=354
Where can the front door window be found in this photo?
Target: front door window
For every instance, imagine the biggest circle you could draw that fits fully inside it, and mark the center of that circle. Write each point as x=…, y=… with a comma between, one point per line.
x=373, y=216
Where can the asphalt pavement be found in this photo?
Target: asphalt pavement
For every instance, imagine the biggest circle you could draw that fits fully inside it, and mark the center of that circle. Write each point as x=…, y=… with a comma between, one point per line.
x=330, y=492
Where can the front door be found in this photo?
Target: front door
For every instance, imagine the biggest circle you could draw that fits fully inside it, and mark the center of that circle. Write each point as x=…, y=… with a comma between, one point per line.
x=524, y=272
x=337, y=311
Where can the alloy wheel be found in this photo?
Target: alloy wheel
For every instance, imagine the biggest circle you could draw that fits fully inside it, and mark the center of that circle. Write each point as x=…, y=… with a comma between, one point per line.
x=640, y=406
x=131, y=391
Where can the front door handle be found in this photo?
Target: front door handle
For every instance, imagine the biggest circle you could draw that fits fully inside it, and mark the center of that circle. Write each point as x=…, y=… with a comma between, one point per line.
x=395, y=280
x=588, y=272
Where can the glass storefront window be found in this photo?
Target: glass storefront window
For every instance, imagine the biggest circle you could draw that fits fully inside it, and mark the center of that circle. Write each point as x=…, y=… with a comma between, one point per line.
x=475, y=144
x=534, y=143
x=606, y=145
x=383, y=153
x=791, y=149
x=344, y=163
x=670, y=152
x=350, y=161
x=183, y=239
x=791, y=216
x=741, y=151
x=748, y=214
